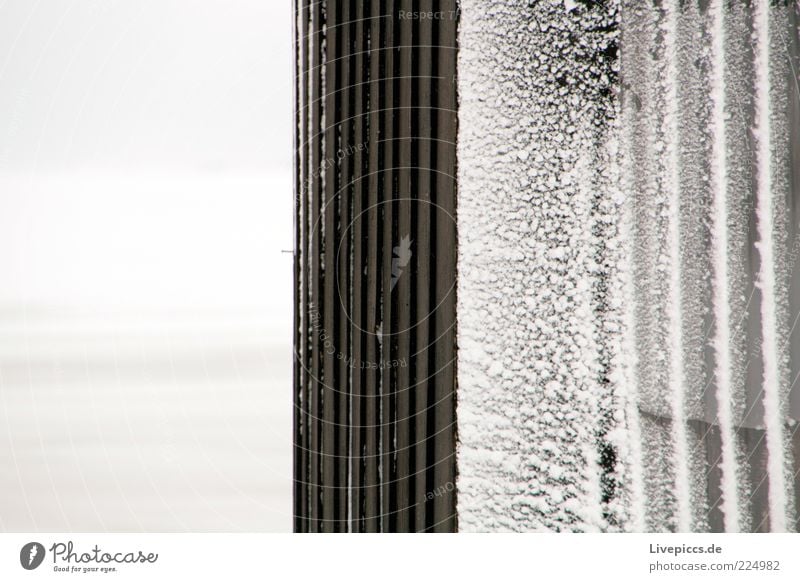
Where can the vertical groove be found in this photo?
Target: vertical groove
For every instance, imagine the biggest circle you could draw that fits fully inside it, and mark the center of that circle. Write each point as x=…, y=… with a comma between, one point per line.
x=632, y=64
x=401, y=291
x=766, y=276
x=386, y=325
x=793, y=46
x=675, y=311
x=374, y=375
x=633, y=460
x=742, y=261
x=344, y=161
x=372, y=401
x=358, y=304
x=720, y=250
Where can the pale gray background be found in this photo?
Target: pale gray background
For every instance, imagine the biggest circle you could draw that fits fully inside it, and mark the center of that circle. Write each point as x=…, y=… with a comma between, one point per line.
x=145, y=302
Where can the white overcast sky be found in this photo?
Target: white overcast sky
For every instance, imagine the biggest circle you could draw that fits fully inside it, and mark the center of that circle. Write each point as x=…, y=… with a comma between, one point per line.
x=145, y=153
x=145, y=84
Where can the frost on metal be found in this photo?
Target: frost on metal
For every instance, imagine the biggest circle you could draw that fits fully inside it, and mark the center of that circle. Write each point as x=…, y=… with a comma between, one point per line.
x=541, y=398
x=707, y=162
x=628, y=287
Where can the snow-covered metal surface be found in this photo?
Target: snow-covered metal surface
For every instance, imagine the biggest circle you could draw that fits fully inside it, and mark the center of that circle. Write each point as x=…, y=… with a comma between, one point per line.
x=628, y=290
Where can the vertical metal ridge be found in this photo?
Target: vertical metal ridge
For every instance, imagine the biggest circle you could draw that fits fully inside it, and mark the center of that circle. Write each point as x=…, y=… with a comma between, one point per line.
x=358, y=304
x=372, y=418
x=315, y=164
x=443, y=239
x=300, y=396
x=422, y=82
x=330, y=130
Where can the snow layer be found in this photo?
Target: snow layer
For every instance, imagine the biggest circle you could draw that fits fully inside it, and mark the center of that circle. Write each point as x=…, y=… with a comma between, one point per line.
x=628, y=293
x=540, y=404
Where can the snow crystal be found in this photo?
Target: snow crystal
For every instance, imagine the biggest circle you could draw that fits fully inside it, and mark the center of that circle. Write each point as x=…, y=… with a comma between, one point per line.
x=624, y=259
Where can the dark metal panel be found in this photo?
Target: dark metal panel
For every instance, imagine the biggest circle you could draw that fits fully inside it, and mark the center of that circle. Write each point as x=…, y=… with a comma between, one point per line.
x=375, y=267
x=443, y=293
x=300, y=457
x=314, y=192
